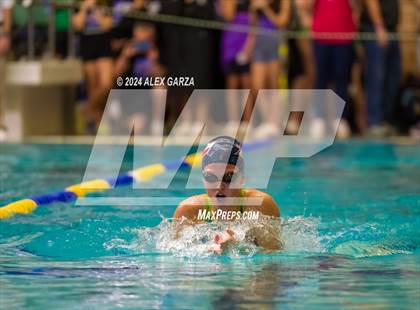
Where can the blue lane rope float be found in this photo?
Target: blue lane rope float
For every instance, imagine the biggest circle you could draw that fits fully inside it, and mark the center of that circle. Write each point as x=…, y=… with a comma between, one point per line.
x=142, y=174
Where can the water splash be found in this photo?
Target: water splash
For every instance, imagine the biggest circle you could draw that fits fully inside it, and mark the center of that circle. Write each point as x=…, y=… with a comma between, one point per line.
x=300, y=234
x=297, y=234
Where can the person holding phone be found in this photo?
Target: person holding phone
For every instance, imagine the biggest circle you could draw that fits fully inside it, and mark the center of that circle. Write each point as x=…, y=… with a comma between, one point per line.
x=140, y=59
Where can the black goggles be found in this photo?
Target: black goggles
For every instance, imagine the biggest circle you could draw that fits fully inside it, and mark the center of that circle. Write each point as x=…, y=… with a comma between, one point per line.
x=228, y=177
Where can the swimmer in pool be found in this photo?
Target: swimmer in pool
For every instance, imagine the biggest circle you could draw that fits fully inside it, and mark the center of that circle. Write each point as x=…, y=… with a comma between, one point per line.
x=225, y=200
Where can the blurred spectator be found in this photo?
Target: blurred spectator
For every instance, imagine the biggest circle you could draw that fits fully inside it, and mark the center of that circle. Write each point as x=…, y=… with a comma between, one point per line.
x=189, y=51
x=408, y=110
x=121, y=31
x=301, y=67
x=62, y=24
x=5, y=29
x=236, y=52
x=40, y=11
x=333, y=55
x=198, y=43
x=140, y=58
x=145, y=48
x=124, y=12
x=356, y=91
x=172, y=44
x=199, y=48
x=122, y=7
x=269, y=16
x=301, y=20
x=94, y=24
x=383, y=67
x=5, y=25
x=171, y=49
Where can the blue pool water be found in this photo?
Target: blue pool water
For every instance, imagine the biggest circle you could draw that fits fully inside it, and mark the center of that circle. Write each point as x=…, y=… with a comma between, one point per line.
x=351, y=218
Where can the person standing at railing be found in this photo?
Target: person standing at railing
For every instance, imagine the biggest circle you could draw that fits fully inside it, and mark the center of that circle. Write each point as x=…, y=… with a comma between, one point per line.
x=124, y=20
x=334, y=54
x=5, y=30
x=140, y=59
x=189, y=52
x=383, y=67
x=94, y=23
x=62, y=24
x=270, y=16
x=301, y=63
x=236, y=52
x=301, y=20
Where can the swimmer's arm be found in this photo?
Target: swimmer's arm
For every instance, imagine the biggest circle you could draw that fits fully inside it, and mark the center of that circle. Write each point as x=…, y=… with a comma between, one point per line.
x=179, y=225
x=269, y=207
x=268, y=236
x=184, y=215
x=185, y=209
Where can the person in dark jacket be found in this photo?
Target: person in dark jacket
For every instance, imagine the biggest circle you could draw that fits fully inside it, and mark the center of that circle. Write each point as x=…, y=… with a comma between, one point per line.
x=383, y=67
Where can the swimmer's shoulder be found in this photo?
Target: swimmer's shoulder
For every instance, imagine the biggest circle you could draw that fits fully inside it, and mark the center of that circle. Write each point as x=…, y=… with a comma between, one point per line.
x=268, y=205
x=189, y=207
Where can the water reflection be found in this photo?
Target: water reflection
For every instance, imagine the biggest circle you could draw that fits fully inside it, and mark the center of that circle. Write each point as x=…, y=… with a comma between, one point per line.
x=258, y=291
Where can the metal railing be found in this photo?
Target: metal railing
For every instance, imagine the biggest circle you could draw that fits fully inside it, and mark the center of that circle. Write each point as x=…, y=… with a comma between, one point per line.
x=51, y=43
x=71, y=5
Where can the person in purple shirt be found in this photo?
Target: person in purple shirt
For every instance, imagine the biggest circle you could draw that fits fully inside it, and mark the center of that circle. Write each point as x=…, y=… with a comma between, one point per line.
x=235, y=53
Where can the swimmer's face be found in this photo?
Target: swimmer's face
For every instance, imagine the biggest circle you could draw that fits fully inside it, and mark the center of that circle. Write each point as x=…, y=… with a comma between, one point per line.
x=213, y=176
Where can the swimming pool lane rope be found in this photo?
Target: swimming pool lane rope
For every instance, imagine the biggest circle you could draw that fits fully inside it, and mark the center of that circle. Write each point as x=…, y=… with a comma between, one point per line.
x=142, y=174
